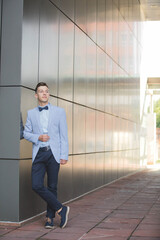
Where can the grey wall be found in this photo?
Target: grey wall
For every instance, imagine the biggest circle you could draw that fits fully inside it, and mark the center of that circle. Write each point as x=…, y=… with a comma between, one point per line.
x=88, y=52
x=10, y=80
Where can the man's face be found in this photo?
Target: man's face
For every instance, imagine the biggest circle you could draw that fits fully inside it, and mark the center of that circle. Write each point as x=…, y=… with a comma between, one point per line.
x=42, y=95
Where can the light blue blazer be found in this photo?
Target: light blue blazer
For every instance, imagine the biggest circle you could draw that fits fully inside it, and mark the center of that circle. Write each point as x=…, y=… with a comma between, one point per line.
x=57, y=131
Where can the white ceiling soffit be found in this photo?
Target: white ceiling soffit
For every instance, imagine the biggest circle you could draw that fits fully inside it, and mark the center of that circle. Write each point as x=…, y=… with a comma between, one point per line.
x=151, y=9
x=153, y=83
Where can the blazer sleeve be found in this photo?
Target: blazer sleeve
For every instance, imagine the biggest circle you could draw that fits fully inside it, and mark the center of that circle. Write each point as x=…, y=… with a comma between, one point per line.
x=64, y=148
x=28, y=131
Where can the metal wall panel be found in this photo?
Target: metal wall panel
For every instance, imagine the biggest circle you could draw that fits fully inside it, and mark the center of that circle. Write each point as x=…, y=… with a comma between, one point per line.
x=30, y=38
x=68, y=107
x=80, y=67
x=121, y=93
x=115, y=28
x=99, y=169
x=48, y=45
x=66, y=46
x=116, y=2
x=66, y=6
x=107, y=167
x=79, y=126
x=114, y=171
x=100, y=131
x=10, y=78
x=123, y=8
x=121, y=41
x=90, y=172
x=9, y=186
x=66, y=181
x=92, y=19
x=91, y=74
x=115, y=88
x=101, y=24
x=108, y=132
x=78, y=175
x=0, y=22
x=10, y=122
x=100, y=88
x=109, y=26
x=90, y=131
x=108, y=86
x=80, y=14
x=11, y=40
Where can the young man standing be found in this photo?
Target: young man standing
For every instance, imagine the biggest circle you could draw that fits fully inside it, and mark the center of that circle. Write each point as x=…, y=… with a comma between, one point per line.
x=46, y=128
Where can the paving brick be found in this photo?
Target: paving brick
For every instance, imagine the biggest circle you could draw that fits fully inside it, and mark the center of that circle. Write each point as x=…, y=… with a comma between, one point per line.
x=17, y=238
x=28, y=234
x=110, y=232
x=86, y=237
x=144, y=238
x=4, y=231
x=147, y=233
x=61, y=236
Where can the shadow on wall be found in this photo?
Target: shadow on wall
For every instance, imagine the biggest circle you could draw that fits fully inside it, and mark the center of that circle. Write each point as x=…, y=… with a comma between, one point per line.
x=21, y=127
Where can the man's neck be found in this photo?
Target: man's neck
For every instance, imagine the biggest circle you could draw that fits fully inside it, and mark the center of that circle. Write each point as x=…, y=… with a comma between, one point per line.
x=42, y=104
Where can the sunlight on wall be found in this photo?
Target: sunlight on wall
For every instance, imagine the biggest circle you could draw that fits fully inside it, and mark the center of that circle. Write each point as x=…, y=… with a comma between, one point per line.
x=150, y=67
x=152, y=48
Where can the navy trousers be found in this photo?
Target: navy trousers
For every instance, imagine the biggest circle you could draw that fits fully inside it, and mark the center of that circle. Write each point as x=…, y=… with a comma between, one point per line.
x=46, y=163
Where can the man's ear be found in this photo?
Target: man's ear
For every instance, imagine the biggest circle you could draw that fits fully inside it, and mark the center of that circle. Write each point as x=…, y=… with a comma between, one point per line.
x=36, y=96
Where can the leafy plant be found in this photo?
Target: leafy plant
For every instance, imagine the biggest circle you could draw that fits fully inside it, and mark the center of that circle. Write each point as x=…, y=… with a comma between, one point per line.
x=157, y=111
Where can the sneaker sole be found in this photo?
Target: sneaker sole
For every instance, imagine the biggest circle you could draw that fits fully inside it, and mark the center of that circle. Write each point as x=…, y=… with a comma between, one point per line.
x=68, y=208
x=49, y=227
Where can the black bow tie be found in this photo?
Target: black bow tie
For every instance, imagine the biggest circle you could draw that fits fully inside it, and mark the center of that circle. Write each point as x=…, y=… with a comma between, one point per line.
x=40, y=108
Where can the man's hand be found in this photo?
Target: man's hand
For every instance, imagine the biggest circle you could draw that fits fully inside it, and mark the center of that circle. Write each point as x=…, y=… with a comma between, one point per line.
x=44, y=138
x=62, y=161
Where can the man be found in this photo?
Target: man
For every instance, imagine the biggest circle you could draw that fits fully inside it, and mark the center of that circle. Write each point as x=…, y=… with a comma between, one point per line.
x=46, y=128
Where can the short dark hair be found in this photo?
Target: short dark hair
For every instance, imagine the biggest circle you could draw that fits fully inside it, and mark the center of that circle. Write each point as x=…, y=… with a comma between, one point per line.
x=41, y=84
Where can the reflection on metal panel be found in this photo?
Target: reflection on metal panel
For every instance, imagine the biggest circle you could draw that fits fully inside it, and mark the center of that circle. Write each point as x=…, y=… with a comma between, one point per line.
x=68, y=107
x=100, y=80
x=30, y=39
x=91, y=74
x=107, y=167
x=80, y=67
x=66, y=6
x=78, y=129
x=99, y=132
x=66, y=181
x=99, y=169
x=78, y=175
x=66, y=38
x=91, y=19
x=90, y=131
x=80, y=13
x=109, y=27
x=90, y=172
x=101, y=23
x=48, y=45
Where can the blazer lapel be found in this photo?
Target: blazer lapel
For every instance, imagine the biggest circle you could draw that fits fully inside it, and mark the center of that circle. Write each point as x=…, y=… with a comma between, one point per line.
x=38, y=121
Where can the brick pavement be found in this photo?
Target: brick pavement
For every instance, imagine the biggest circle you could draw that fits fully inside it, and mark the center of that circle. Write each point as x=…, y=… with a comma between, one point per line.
x=128, y=209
